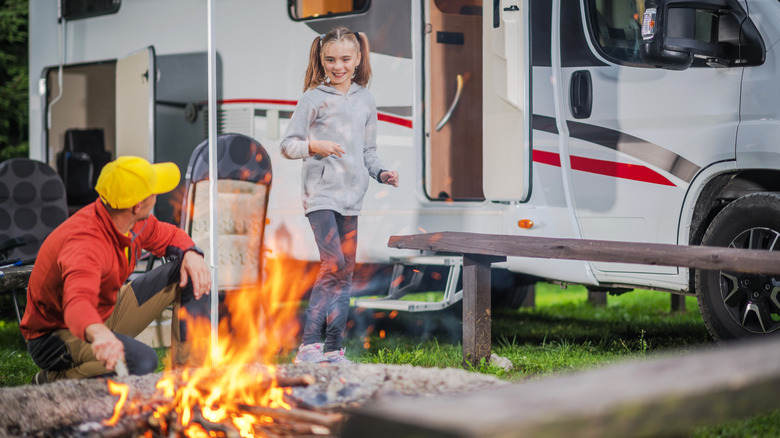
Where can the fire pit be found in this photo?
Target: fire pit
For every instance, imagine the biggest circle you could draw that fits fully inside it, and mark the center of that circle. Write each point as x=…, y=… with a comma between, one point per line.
x=319, y=399
x=237, y=392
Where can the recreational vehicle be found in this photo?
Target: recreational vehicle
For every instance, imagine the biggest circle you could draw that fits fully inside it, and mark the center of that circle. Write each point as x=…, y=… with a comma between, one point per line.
x=624, y=120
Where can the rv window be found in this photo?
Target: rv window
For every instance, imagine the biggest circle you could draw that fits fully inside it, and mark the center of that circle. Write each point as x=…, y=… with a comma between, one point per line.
x=615, y=26
x=312, y=9
x=462, y=7
x=76, y=9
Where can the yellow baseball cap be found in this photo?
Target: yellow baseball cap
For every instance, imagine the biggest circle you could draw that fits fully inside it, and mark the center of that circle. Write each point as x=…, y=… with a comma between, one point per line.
x=129, y=180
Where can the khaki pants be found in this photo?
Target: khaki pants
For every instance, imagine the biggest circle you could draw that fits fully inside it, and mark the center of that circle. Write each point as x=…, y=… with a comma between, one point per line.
x=138, y=304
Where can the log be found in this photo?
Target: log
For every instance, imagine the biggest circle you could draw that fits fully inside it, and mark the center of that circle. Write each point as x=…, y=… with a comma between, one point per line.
x=331, y=421
x=661, y=397
x=697, y=257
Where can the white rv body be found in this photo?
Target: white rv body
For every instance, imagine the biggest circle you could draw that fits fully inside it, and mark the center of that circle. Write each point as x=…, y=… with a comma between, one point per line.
x=641, y=165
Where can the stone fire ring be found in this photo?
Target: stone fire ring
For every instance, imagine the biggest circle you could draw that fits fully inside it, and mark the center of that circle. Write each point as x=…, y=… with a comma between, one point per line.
x=74, y=404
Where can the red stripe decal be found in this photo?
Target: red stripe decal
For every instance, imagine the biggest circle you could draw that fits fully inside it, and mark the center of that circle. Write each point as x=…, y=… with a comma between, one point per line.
x=607, y=168
x=380, y=116
x=262, y=101
x=394, y=119
x=550, y=158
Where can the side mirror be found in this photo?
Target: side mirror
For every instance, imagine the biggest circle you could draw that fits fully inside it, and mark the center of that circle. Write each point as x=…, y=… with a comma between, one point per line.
x=675, y=33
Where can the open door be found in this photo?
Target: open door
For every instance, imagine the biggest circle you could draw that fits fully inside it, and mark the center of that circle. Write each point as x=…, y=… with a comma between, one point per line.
x=506, y=127
x=135, y=104
x=454, y=100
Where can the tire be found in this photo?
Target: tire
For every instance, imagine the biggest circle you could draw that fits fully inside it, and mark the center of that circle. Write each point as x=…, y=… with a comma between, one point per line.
x=509, y=290
x=737, y=306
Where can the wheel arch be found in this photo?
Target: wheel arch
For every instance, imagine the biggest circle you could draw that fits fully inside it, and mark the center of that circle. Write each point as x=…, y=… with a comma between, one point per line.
x=723, y=189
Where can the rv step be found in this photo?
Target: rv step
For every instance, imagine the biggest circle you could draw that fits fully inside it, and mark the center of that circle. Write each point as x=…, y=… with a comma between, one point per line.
x=406, y=306
x=396, y=291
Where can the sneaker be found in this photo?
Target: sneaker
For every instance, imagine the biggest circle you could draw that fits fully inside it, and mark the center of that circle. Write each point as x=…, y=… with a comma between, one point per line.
x=41, y=377
x=311, y=353
x=337, y=356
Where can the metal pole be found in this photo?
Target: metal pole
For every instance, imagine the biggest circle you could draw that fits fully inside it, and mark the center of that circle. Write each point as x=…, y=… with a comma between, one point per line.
x=212, y=105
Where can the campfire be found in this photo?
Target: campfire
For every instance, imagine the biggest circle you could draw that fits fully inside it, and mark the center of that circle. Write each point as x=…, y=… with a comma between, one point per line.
x=247, y=388
x=238, y=392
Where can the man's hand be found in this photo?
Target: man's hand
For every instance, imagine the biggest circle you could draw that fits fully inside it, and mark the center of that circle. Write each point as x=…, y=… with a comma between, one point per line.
x=107, y=348
x=325, y=148
x=194, y=268
x=389, y=177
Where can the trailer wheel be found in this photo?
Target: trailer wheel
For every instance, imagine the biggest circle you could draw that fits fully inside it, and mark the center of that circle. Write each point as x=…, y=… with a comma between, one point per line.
x=736, y=305
x=509, y=290
x=513, y=297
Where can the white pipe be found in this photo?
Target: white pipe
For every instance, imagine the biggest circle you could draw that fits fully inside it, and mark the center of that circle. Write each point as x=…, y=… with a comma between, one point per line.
x=61, y=48
x=212, y=106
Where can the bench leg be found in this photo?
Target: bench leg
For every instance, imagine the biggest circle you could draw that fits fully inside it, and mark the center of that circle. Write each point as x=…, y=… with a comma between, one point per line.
x=476, y=307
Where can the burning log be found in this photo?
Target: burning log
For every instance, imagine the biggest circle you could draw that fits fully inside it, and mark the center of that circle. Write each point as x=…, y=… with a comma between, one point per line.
x=331, y=421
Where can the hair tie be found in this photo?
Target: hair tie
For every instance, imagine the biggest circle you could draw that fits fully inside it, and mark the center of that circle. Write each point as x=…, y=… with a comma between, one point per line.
x=357, y=35
x=322, y=37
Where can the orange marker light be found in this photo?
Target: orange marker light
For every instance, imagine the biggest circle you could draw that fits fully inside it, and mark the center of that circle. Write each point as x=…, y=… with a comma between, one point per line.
x=525, y=224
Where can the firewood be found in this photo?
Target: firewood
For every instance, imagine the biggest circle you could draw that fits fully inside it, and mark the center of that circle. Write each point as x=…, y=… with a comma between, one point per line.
x=330, y=421
x=304, y=380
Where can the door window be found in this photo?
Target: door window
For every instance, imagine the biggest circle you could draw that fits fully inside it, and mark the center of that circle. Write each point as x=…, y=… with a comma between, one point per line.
x=616, y=28
x=311, y=9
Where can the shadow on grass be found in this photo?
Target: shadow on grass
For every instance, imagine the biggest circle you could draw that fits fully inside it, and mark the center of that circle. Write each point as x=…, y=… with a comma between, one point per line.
x=614, y=327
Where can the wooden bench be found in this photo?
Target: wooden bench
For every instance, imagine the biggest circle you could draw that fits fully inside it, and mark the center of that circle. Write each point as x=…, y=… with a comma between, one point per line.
x=481, y=250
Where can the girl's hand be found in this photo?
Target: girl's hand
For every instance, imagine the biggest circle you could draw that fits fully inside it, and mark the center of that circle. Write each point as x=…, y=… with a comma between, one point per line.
x=389, y=177
x=325, y=148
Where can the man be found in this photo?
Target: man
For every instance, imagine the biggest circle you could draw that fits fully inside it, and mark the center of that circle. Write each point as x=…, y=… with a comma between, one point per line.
x=81, y=319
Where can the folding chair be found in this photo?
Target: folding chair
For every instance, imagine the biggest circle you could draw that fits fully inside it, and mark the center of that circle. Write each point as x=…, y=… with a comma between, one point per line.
x=243, y=184
x=32, y=205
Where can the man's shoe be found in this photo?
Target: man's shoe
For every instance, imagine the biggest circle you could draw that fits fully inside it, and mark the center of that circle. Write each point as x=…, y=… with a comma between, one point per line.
x=311, y=353
x=337, y=356
x=41, y=377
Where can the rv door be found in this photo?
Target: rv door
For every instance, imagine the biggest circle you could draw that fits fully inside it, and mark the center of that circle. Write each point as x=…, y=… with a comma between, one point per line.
x=135, y=97
x=506, y=149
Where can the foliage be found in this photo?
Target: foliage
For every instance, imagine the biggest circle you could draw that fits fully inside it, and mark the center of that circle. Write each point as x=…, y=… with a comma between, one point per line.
x=16, y=366
x=14, y=103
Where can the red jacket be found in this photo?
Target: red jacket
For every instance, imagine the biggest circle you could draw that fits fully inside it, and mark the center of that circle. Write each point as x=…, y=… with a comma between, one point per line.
x=81, y=266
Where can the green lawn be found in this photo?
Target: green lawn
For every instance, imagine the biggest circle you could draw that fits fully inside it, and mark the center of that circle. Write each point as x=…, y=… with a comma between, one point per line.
x=562, y=334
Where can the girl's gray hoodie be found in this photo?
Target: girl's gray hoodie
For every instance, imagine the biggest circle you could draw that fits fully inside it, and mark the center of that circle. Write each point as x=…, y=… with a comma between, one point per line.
x=324, y=113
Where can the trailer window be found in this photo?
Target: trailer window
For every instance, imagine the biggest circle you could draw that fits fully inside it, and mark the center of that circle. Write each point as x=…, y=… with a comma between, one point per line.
x=312, y=9
x=76, y=9
x=616, y=28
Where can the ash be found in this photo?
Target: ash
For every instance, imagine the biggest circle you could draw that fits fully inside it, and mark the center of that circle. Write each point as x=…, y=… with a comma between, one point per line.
x=77, y=407
x=349, y=385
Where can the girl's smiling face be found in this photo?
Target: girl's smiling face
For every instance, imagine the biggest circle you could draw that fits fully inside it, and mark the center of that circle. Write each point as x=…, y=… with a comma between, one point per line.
x=340, y=59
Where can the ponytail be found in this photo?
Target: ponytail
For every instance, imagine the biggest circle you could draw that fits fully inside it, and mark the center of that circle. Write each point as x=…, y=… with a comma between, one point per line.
x=315, y=73
x=363, y=70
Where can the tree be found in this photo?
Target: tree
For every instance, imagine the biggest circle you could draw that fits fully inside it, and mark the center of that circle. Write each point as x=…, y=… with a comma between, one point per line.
x=14, y=103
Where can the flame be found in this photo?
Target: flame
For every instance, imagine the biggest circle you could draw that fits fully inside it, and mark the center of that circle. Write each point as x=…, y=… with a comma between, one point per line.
x=262, y=323
x=121, y=390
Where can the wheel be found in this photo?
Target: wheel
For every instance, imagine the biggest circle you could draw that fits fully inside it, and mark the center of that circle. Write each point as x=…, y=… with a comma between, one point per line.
x=509, y=290
x=513, y=297
x=736, y=305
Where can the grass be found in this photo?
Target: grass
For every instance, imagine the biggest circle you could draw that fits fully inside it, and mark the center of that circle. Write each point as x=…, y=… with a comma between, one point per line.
x=562, y=334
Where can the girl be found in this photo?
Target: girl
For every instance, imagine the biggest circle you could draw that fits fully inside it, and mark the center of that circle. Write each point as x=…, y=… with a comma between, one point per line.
x=333, y=129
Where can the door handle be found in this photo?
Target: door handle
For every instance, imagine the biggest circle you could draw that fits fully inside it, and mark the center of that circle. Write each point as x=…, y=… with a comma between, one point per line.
x=581, y=94
x=454, y=104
